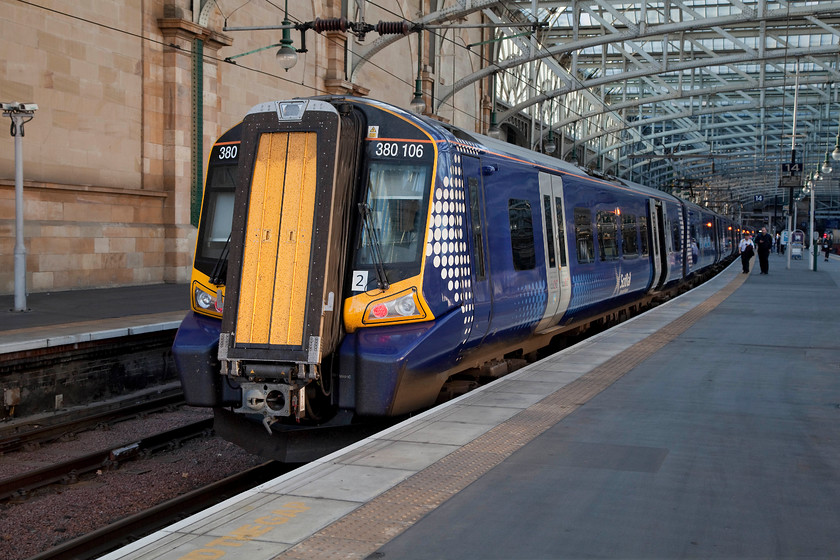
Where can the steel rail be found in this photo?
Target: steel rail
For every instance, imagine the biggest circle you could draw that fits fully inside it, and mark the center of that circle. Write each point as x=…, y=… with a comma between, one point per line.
x=67, y=471
x=133, y=527
x=17, y=438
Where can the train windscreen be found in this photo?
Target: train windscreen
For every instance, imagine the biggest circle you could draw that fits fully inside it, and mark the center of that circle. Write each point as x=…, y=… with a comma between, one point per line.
x=216, y=217
x=395, y=206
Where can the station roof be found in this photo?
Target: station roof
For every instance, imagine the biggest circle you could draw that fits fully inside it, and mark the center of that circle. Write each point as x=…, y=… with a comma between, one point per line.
x=707, y=98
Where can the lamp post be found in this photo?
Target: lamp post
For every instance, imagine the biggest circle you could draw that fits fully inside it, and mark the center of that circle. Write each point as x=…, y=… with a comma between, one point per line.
x=826, y=171
x=20, y=113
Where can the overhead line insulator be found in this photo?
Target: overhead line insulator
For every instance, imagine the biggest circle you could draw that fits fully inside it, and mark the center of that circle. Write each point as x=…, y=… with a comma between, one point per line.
x=331, y=24
x=393, y=27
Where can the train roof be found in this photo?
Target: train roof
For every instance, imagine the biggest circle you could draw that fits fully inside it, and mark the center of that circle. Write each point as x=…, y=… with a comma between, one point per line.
x=512, y=150
x=499, y=147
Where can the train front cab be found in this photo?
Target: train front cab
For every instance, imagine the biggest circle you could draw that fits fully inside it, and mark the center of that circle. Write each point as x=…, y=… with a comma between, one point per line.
x=288, y=250
x=370, y=257
x=196, y=343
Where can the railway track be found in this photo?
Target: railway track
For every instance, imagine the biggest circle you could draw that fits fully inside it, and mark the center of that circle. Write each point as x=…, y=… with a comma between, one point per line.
x=54, y=428
x=129, y=529
x=18, y=487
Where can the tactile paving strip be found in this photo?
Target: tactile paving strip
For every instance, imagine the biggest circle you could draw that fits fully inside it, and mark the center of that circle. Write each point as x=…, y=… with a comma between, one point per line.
x=364, y=530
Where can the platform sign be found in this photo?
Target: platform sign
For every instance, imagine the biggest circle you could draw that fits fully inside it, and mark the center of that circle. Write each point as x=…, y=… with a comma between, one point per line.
x=792, y=168
x=758, y=198
x=785, y=236
x=792, y=181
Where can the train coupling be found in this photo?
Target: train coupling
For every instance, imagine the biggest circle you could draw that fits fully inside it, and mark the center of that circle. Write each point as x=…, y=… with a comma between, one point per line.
x=273, y=401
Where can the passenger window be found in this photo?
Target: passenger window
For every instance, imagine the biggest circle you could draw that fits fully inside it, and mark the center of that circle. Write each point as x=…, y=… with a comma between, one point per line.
x=521, y=234
x=643, y=235
x=583, y=235
x=607, y=244
x=629, y=243
x=549, y=232
x=561, y=230
x=675, y=233
x=477, y=235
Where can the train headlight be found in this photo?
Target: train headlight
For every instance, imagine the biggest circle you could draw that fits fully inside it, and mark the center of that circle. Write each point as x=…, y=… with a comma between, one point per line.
x=206, y=302
x=405, y=306
x=399, y=307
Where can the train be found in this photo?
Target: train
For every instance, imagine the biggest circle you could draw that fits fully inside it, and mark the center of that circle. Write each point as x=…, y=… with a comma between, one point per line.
x=356, y=263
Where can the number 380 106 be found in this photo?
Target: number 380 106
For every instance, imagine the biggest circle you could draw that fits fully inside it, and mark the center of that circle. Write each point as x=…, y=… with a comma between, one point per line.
x=392, y=149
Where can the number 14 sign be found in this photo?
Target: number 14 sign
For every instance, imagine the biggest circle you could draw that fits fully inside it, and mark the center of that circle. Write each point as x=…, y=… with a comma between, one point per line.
x=792, y=168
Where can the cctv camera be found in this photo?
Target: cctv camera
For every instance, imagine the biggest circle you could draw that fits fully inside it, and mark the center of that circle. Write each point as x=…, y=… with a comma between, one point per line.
x=18, y=106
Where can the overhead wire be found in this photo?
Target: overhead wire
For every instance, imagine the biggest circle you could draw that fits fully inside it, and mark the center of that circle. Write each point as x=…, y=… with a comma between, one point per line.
x=314, y=88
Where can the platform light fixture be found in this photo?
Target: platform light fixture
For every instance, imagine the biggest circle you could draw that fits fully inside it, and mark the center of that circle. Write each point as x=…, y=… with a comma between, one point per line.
x=550, y=145
x=287, y=55
x=417, y=104
x=836, y=153
x=495, y=130
x=826, y=166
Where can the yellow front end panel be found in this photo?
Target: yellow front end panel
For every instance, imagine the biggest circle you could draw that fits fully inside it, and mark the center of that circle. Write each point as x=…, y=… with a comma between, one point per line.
x=278, y=240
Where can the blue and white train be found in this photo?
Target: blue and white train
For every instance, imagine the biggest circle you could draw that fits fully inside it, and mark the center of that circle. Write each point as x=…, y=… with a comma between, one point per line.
x=356, y=262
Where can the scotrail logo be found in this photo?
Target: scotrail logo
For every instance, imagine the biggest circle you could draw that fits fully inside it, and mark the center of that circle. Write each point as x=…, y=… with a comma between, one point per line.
x=622, y=283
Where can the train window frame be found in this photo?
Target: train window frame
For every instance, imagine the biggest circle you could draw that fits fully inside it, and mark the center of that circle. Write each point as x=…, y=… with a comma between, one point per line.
x=209, y=248
x=548, y=223
x=561, y=230
x=676, y=235
x=693, y=245
x=522, y=244
x=605, y=224
x=584, y=240
x=629, y=239
x=477, y=230
x=385, y=196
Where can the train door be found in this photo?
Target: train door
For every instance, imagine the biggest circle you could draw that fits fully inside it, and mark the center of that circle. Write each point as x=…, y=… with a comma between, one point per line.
x=288, y=241
x=658, y=249
x=556, y=268
x=481, y=287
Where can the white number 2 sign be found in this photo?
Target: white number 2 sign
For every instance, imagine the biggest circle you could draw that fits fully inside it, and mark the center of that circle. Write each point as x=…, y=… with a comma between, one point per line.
x=360, y=280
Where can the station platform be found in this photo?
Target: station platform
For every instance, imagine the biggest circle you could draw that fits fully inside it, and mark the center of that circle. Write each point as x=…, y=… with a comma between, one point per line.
x=704, y=428
x=69, y=317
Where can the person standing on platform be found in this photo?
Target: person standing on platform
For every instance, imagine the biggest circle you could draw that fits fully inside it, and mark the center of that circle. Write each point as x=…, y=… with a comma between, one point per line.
x=763, y=243
x=747, y=250
x=778, y=244
x=826, y=246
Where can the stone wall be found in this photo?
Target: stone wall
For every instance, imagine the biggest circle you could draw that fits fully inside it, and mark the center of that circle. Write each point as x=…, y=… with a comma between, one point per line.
x=108, y=161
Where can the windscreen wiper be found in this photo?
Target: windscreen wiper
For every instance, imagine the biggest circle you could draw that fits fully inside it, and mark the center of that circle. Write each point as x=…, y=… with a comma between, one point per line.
x=219, y=273
x=367, y=218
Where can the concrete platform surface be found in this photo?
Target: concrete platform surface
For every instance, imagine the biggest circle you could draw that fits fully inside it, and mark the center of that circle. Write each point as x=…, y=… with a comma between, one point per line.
x=705, y=428
x=59, y=318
